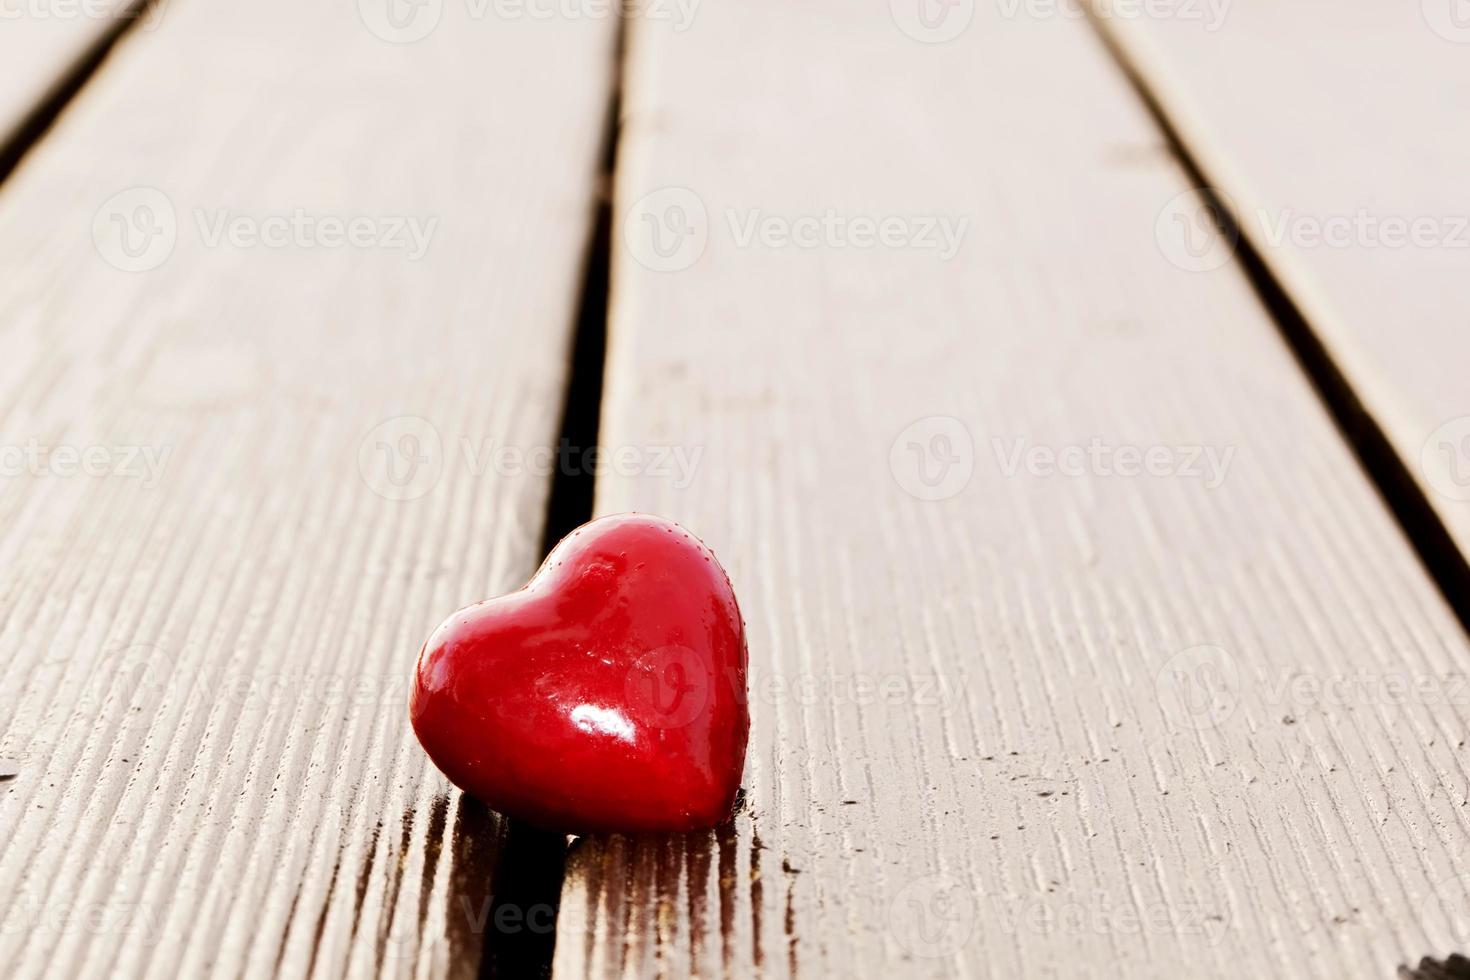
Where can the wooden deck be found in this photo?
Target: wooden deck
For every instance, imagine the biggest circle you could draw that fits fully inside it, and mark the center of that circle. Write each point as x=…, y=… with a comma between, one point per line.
x=1092, y=466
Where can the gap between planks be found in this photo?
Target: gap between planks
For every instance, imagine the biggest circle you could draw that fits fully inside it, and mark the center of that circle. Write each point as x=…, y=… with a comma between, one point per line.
x=1404, y=494
x=52, y=98
x=1323, y=843
x=269, y=548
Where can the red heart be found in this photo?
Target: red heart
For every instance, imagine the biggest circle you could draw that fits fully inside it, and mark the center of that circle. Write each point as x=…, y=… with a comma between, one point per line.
x=608, y=694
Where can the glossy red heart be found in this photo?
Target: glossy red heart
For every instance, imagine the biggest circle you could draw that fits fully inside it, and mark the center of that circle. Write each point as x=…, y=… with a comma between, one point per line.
x=608, y=694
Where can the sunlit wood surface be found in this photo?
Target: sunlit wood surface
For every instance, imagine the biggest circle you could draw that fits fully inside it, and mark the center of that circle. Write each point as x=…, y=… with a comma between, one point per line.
x=1082, y=642
x=207, y=640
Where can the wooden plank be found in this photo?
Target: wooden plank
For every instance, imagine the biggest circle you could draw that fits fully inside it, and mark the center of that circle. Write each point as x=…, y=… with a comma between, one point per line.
x=286, y=285
x=43, y=40
x=1336, y=131
x=1016, y=713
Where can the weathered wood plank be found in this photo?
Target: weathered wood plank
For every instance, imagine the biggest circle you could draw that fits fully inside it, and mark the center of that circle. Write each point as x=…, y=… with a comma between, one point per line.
x=1014, y=714
x=41, y=41
x=1337, y=133
x=282, y=286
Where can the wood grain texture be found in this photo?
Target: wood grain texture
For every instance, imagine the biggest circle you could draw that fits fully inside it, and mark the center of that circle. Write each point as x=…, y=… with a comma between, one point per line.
x=207, y=635
x=42, y=40
x=1336, y=130
x=982, y=745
